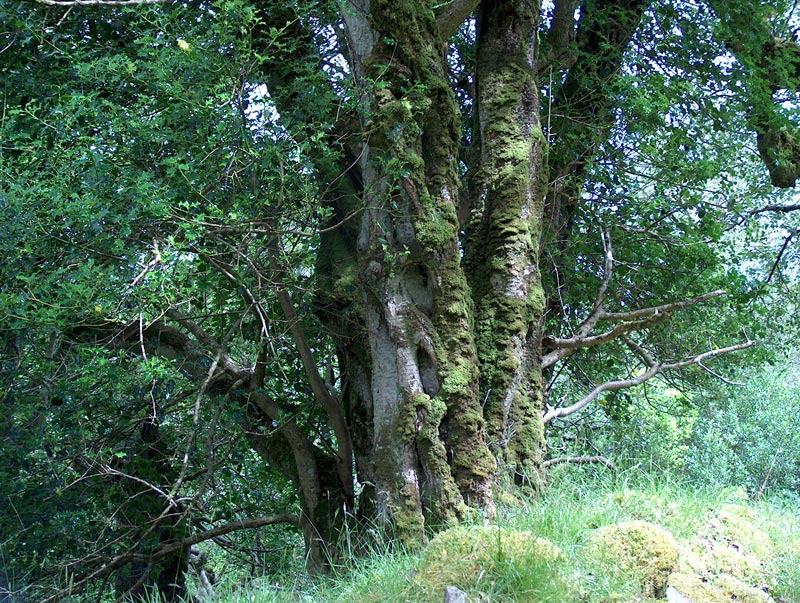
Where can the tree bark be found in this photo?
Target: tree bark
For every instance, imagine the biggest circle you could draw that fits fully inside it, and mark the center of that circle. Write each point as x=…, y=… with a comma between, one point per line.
x=504, y=235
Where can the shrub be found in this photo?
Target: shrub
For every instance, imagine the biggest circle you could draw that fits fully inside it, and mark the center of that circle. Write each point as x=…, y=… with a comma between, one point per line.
x=748, y=436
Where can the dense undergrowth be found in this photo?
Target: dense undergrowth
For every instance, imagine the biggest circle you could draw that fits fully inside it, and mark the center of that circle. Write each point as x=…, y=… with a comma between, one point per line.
x=736, y=547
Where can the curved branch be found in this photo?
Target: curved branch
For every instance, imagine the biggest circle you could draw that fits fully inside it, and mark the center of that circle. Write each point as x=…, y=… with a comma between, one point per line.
x=652, y=310
x=639, y=320
x=244, y=524
x=568, y=346
x=655, y=369
x=778, y=259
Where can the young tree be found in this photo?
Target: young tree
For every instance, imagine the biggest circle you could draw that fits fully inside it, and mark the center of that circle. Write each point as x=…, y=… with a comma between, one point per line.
x=373, y=231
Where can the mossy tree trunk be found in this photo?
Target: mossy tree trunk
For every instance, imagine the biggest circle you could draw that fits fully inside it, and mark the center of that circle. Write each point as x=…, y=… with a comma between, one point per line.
x=427, y=449
x=442, y=355
x=504, y=233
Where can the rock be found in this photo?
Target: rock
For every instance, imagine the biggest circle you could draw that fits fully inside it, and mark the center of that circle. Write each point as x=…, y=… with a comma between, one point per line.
x=673, y=596
x=453, y=594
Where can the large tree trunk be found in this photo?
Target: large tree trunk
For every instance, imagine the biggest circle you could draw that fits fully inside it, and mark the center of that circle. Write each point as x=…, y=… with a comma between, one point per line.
x=423, y=447
x=430, y=360
x=504, y=234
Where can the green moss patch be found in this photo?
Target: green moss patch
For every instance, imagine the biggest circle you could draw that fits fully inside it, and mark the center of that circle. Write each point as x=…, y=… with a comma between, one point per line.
x=726, y=561
x=473, y=558
x=723, y=589
x=637, y=548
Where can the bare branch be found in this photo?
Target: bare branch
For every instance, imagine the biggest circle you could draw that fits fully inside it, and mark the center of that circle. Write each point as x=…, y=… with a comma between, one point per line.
x=245, y=524
x=718, y=376
x=608, y=271
x=780, y=254
x=110, y=471
x=652, y=371
x=652, y=310
x=608, y=386
x=452, y=13
x=638, y=319
x=99, y=2
x=207, y=341
x=579, y=460
x=567, y=346
x=634, y=347
x=776, y=208
x=229, y=273
x=329, y=403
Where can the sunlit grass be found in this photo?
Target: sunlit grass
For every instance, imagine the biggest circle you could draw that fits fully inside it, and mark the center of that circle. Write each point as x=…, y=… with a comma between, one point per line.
x=578, y=501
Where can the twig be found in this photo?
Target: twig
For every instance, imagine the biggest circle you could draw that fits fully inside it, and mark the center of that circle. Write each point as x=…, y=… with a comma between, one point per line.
x=780, y=254
x=718, y=376
x=769, y=474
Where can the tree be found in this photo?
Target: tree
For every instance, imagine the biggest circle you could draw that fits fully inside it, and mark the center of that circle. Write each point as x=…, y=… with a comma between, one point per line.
x=367, y=238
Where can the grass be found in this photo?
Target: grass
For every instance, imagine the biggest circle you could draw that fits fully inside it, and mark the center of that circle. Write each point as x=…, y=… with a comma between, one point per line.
x=577, y=502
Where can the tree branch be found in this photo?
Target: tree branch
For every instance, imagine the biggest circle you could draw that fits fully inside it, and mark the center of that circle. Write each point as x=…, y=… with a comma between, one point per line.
x=579, y=460
x=206, y=340
x=776, y=208
x=568, y=346
x=452, y=13
x=328, y=402
x=718, y=376
x=638, y=320
x=786, y=242
x=99, y=2
x=554, y=413
x=652, y=310
x=171, y=547
x=245, y=524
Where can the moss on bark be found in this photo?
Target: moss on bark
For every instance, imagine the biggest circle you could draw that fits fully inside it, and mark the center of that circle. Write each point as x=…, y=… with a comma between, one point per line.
x=504, y=235
x=413, y=135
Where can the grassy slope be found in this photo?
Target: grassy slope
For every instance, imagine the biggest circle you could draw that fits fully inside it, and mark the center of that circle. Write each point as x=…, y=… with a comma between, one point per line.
x=719, y=532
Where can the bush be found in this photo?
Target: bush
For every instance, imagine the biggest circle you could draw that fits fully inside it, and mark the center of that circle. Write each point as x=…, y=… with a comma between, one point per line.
x=748, y=436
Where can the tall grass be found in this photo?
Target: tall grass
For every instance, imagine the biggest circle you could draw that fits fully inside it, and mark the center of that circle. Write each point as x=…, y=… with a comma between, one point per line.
x=578, y=501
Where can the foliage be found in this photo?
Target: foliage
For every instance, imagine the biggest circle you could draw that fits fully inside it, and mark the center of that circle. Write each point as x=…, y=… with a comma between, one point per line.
x=113, y=173
x=250, y=261
x=747, y=436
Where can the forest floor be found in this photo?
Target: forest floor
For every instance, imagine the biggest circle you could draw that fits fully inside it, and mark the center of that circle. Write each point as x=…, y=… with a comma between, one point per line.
x=607, y=538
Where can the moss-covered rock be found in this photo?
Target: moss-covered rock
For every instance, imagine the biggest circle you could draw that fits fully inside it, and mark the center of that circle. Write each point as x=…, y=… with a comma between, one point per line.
x=469, y=556
x=638, y=548
x=724, y=588
x=732, y=544
x=726, y=561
